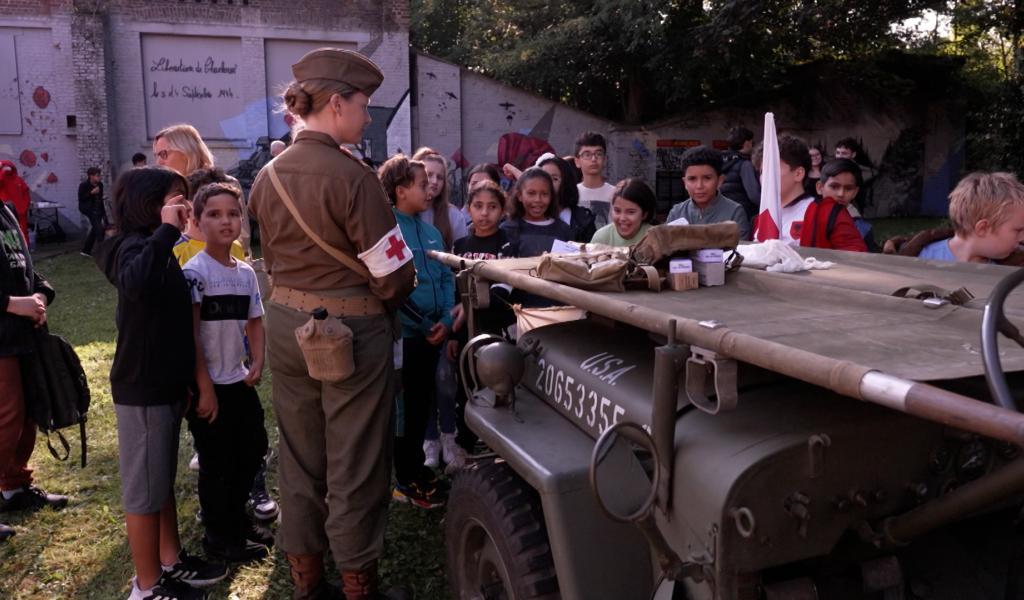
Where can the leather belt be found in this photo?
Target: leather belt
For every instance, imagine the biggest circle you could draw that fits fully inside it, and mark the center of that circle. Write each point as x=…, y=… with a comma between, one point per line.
x=307, y=302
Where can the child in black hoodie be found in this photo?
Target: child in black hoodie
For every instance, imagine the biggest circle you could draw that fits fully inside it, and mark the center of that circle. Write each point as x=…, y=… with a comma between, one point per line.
x=150, y=378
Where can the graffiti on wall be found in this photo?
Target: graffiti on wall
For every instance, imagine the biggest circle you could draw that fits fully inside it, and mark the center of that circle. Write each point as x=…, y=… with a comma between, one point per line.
x=670, y=153
x=510, y=115
x=35, y=130
x=639, y=160
x=42, y=132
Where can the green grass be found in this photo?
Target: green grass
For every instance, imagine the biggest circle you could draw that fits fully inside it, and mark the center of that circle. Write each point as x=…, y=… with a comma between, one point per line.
x=81, y=552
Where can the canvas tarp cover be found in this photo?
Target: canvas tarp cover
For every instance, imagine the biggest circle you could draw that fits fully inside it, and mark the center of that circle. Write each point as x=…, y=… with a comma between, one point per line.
x=847, y=312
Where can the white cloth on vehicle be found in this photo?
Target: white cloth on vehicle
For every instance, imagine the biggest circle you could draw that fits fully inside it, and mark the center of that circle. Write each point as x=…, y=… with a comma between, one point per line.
x=778, y=256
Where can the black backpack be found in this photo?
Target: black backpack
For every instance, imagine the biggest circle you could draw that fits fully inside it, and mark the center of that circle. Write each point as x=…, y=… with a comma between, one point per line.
x=830, y=225
x=56, y=390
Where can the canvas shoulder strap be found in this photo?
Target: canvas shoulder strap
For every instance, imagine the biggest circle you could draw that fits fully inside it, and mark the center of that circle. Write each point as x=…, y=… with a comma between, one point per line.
x=338, y=255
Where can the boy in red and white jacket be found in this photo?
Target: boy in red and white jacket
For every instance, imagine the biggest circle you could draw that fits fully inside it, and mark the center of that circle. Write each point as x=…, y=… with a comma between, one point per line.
x=805, y=219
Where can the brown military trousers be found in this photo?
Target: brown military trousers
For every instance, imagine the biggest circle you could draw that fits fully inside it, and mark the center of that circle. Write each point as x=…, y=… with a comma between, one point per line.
x=335, y=442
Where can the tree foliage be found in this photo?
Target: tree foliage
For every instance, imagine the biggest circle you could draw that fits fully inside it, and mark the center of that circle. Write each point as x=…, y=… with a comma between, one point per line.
x=988, y=36
x=636, y=60
x=640, y=60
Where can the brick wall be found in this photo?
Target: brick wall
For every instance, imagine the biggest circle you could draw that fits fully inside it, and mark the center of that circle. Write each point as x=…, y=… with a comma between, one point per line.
x=321, y=14
x=87, y=55
x=89, y=68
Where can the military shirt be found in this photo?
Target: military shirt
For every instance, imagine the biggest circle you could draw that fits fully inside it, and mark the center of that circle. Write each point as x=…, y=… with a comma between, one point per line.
x=341, y=200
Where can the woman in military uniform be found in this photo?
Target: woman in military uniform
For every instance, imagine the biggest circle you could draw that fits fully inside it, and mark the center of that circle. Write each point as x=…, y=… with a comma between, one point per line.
x=335, y=438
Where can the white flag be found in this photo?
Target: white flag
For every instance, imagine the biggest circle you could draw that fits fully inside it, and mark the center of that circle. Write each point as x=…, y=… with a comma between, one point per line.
x=769, y=217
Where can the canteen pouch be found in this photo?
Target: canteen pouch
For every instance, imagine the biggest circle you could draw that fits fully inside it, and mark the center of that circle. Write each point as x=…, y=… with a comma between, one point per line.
x=326, y=346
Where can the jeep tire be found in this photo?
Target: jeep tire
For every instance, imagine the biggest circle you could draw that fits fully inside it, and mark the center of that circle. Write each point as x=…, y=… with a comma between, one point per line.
x=496, y=541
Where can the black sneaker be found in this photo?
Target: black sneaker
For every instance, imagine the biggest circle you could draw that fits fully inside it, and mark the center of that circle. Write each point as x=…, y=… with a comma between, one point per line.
x=194, y=571
x=6, y=531
x=260, y=535
x=427, y=478
x=166, y=589
x=32, y=498
x=241, y=552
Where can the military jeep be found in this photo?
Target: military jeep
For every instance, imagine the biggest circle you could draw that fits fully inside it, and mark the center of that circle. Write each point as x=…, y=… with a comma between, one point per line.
x=843, y=433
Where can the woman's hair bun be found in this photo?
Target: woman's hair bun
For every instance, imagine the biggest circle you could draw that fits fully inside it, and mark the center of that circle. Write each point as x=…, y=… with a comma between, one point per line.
x=297, y=100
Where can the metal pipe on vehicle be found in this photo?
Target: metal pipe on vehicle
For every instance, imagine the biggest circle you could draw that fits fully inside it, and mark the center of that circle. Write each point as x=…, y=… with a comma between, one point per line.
x=668, y=361
x=991, y=320
x=841, y=376
x=957, y=504
x=941, y=406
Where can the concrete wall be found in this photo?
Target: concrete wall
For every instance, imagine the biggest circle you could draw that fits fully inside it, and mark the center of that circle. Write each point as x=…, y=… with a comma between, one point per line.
x=887, y=133
x=915, y=142
x=463, y=115
x=495, y=109
x=437, y=117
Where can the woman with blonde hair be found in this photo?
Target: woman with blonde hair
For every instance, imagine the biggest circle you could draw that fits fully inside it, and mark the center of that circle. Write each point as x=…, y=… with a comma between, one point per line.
x=180, y=147
x=441, y=214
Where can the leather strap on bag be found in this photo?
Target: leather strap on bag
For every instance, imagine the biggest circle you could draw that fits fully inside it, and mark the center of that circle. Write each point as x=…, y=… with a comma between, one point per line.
x=653, y=277
x=338, y=255
x=921, y=291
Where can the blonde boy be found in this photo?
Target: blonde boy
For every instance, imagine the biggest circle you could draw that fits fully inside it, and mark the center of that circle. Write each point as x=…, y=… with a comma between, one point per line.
x=987, y=212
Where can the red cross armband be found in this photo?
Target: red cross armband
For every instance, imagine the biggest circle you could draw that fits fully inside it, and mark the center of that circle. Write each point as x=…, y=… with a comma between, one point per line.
x=387, y=255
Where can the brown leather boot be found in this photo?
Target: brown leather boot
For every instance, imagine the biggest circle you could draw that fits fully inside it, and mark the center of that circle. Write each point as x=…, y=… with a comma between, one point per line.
x=362, y=585
x=308, y=577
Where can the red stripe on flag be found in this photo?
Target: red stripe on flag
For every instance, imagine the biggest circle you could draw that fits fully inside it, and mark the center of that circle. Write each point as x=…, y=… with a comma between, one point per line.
x=766, y=228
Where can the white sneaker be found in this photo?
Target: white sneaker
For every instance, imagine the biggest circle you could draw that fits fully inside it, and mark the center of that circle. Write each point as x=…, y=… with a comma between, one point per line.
x=193, y=465
x=165, y=590
x=432, y=450
x=453, y=454
x=136, y=593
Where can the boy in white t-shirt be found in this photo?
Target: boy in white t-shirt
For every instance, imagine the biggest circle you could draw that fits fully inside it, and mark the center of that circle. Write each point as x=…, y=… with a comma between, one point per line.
x=794, y=163
x=227, y=419
x=595, y=193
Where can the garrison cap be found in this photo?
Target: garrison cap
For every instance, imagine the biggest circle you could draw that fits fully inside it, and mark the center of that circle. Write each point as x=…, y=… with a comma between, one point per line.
x=344, y=66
